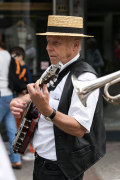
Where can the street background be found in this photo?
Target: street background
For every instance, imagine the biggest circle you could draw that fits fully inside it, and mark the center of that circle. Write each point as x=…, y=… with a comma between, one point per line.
x=102, y=20
x=108, y=168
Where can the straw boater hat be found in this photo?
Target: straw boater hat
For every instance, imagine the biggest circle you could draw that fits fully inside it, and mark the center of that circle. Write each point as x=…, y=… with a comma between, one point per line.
x=64, y=26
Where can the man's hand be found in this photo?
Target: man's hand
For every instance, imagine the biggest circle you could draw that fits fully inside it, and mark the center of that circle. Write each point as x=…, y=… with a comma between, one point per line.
x=40, y=98
x=17, y=106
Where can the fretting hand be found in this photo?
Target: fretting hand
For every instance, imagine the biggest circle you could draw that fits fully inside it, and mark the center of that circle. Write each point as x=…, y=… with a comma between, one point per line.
x=40, y=98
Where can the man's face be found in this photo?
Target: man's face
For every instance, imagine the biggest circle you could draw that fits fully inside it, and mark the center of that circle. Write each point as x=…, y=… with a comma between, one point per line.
x=59, y=48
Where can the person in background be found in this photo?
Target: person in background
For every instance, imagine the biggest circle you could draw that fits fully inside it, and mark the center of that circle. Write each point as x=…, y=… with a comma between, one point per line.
x=30, y=54
x=5, y=165
x=117, y=54
x=19, y=54
x=6, y=97
x=94, y=57
x=70, y=137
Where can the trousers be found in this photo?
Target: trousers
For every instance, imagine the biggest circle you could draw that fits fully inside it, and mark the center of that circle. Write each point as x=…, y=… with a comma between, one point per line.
x=48, y=170
x=10, y=124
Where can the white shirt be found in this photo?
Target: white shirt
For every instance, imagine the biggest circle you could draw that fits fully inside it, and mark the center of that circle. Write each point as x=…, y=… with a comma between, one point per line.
x=6, y=171
x=43, y=140
x=4, y=70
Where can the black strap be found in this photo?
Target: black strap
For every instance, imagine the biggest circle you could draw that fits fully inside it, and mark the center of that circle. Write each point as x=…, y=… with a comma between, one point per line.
x=53, y=114
x=62, y=74
x=65, y=29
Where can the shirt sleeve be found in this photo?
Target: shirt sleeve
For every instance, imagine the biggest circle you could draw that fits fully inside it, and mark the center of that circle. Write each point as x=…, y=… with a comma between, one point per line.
x=84, y=115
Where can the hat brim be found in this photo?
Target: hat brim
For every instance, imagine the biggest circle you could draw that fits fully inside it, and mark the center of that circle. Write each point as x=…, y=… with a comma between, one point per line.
x=62, y=34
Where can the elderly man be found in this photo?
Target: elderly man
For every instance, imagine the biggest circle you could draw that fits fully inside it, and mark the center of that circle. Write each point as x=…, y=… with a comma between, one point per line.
x=74, y=138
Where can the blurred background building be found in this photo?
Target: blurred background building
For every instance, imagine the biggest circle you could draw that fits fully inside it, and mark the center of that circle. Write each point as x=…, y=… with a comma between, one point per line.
x=20, y=21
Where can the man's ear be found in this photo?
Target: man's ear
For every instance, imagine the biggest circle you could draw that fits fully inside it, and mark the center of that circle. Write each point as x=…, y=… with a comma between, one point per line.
x=76, y=44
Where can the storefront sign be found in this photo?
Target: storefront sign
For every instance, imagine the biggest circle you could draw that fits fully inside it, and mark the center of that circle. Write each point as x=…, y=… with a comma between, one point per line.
x=44, y=65
x=62, y=8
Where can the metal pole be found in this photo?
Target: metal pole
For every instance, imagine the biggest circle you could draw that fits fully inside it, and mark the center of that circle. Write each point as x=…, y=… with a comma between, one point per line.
x=54, y=7
x=84, y=26
x=70, y=7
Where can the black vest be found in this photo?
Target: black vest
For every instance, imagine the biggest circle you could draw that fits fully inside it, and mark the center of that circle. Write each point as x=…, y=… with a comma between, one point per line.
x=76, y=155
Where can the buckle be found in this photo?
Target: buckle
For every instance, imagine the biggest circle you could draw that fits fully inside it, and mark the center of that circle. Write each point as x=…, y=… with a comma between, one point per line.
x=36, y=156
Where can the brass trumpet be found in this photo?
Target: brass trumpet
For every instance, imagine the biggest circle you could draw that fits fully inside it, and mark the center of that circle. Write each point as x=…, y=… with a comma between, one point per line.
x=85, y=88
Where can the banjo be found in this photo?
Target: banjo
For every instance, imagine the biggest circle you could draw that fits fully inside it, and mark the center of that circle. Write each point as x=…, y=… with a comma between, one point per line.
x=31, y=116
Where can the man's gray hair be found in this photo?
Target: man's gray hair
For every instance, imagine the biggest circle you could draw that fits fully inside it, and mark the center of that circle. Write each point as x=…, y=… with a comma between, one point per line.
x=73, y=38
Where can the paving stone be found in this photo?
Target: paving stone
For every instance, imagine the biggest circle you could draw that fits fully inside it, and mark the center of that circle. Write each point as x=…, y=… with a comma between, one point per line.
x=90, y=174
x=108, y=168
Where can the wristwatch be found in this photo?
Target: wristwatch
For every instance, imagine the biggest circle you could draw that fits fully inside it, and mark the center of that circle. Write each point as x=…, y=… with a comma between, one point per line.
x=51, y=116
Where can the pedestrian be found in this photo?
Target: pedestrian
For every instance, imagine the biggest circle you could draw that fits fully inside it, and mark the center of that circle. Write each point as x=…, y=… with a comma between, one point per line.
x=70, y=138
x=94, y=57
x=117, y=54
x=5, y=113
x=19, y=54
x=30, y=54
x=5, y=165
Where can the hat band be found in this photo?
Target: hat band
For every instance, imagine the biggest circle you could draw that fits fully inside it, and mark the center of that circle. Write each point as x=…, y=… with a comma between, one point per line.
x=64, y=29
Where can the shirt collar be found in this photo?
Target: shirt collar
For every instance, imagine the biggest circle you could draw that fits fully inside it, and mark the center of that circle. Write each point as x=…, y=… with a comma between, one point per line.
x=69, y=62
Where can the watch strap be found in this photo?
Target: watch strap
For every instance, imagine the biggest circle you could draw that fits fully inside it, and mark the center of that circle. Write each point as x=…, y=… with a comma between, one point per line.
x=50, y=118
x=53, y=114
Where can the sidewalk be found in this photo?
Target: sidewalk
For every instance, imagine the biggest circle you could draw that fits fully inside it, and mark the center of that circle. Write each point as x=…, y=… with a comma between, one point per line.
x=108, y=168
x=90, y=174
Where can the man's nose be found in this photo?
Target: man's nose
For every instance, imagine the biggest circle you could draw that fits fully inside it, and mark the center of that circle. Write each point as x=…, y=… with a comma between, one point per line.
x=49, y=47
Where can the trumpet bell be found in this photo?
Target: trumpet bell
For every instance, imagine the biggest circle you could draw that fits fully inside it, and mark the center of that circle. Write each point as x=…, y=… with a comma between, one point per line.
x=85, y=88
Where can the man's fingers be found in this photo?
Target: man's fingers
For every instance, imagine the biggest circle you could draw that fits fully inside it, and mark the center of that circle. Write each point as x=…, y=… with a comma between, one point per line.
x=30, y=87
x=15, y=109
x=19, y=106
x=18, y=102
x=23, y=105
x=37, y=85
x=34, y=88
x=45, y=90
x=31, y=84
x=16, y=114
